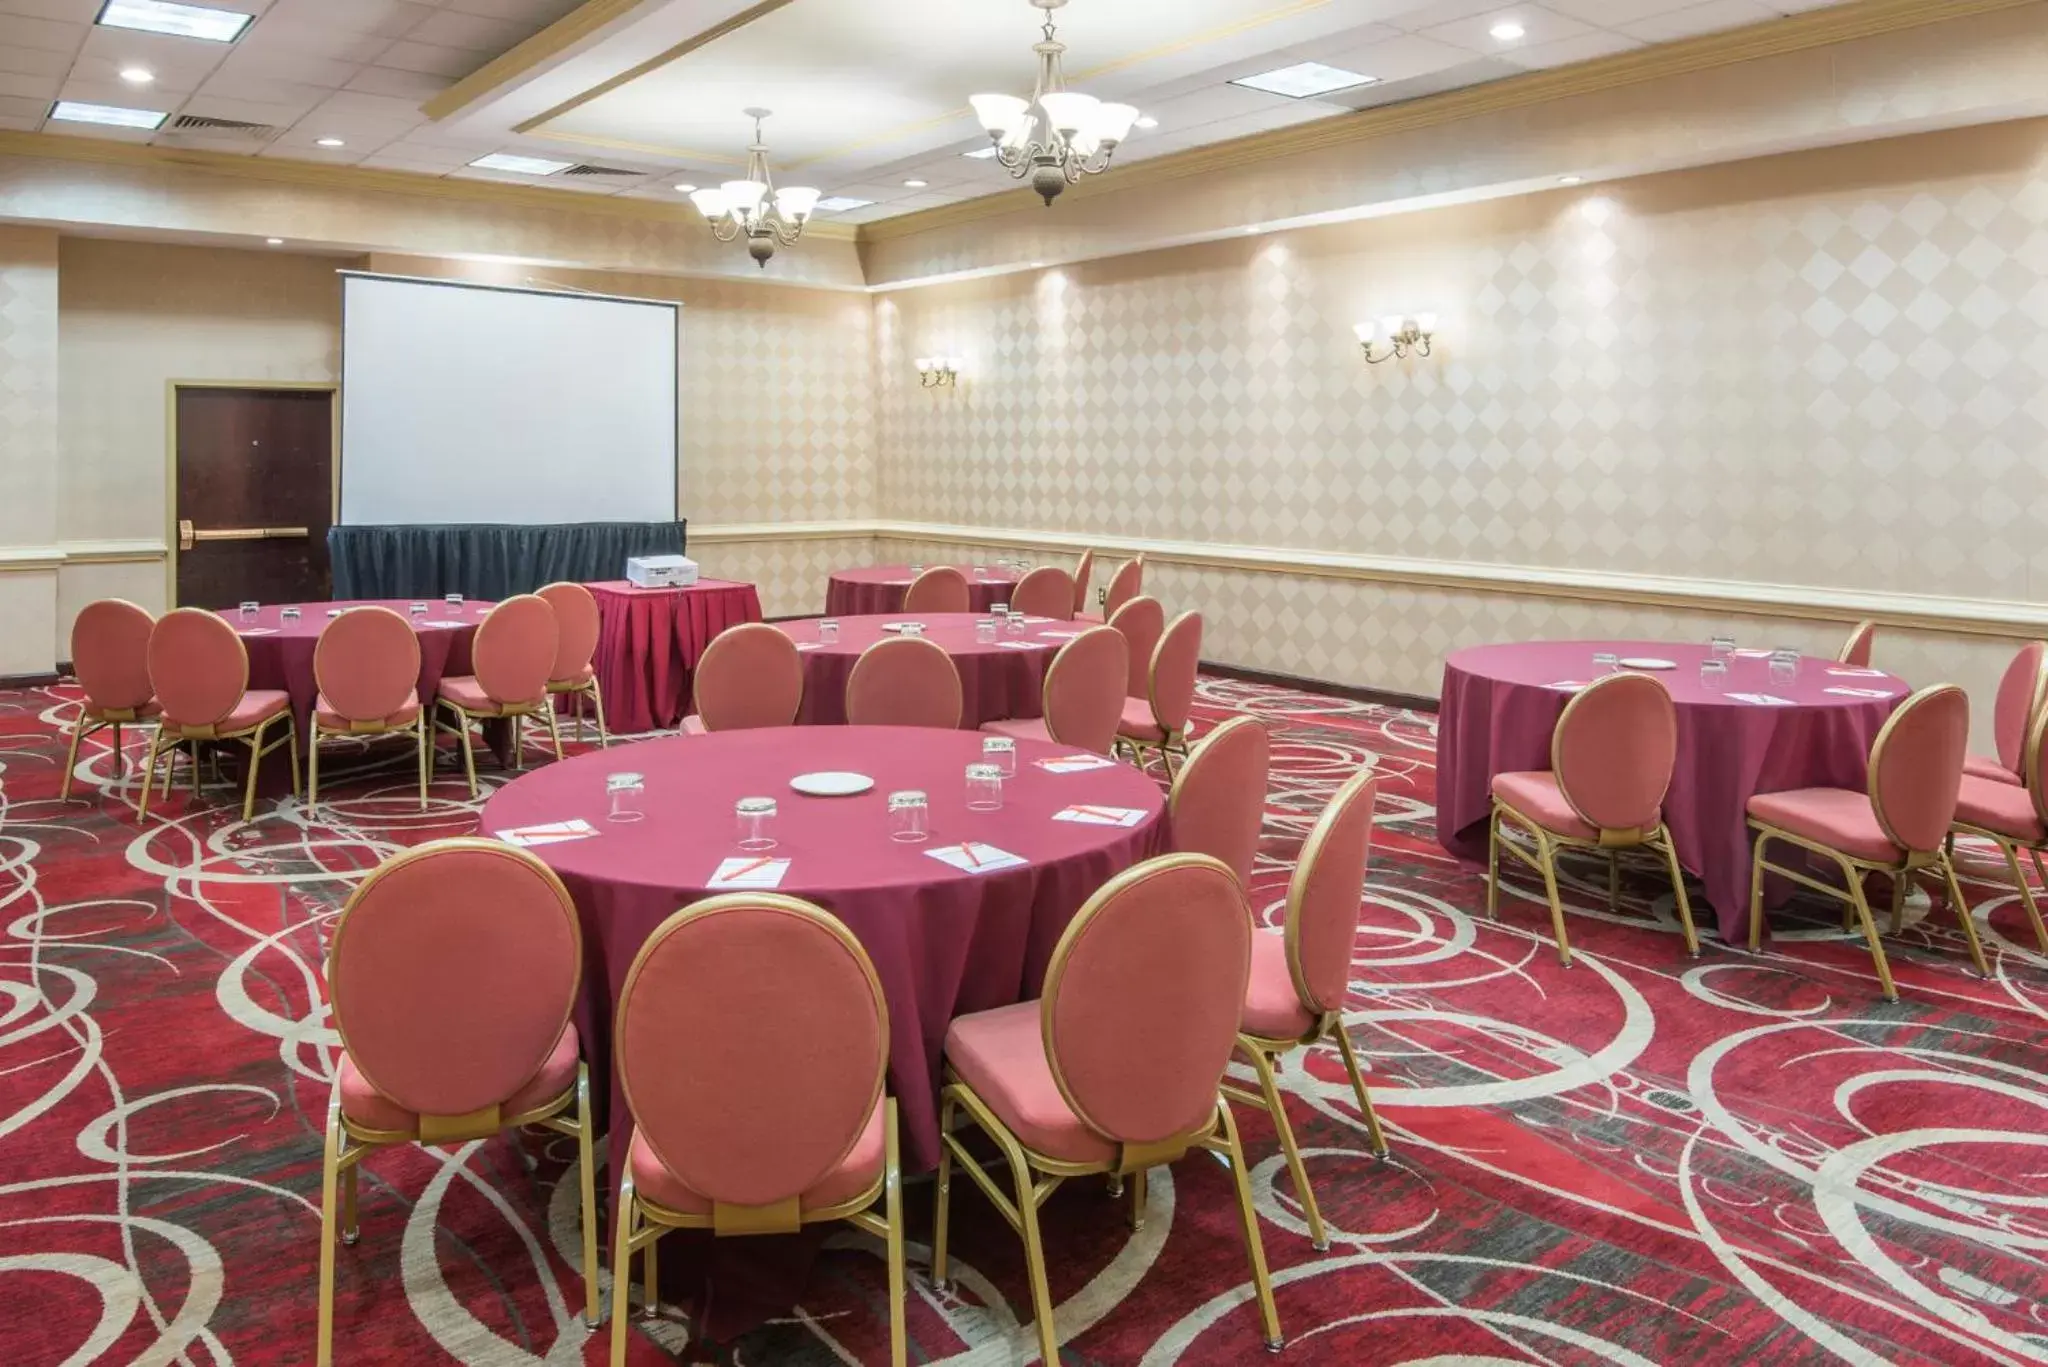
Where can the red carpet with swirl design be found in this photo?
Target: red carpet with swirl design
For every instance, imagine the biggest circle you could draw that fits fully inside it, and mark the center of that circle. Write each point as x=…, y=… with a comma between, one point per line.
x=1640, y=1160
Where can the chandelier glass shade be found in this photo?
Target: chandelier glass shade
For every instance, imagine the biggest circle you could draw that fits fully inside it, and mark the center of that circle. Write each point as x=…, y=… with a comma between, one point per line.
x=1058, y=135
x=753, y=207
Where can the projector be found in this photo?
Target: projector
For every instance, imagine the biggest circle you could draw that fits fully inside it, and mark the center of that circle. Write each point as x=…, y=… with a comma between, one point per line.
x=661, y=571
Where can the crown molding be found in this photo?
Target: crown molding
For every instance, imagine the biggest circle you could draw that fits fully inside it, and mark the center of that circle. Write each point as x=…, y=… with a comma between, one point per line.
x=1778, y=37
x=654, y=63
x=557, y=38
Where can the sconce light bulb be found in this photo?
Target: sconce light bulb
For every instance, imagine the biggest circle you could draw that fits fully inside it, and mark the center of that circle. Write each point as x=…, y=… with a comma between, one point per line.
x=1366, y=331
x=1425, y=323
x=924, y=364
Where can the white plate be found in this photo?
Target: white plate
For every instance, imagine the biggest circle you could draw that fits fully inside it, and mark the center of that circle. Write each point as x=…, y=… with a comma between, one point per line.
x=1646, y=662
x=831, y=784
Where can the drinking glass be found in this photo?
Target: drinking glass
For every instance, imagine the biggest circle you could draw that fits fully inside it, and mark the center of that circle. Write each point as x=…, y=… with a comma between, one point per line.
x=913, y=629
x=1713, y=675
x=916, y=570
x=985, y=630
x=984, y=788
x=1721, y=647
x=1016, y=624
x=1606, y=662
x=1784, y=666
x=909, y=816
x=828, y=629
x=626, y=791
x=249, y=610
x=453, y=600
x=757, y=822
x=1000, y=751
x=1000, y=610
x=288, y=614
x=419, y=609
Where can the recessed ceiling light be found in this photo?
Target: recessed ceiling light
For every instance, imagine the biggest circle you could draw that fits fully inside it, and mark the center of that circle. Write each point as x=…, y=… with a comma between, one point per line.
x=1571, y=180
x=329, y=142
x=71, y=111
x=137, y=75
x=274, y=241
x=1147, y=121
x=183, y=21
x=915, y=184
x=686, y=189
x=839, y=204
x=1304, y=80
x=1507, y=30
x=980, y=153
x=525, y=166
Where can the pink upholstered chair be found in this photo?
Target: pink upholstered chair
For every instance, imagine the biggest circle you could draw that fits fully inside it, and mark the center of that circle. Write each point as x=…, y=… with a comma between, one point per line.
x=1117, y=1069
x=200, y=671
x=1124, y=585
x=904, y=681
x=110, y=657
x=367, y=665
x=1611, y=757
x=1084, y=570
x=574, y=674
x=939, y=589
x=513, y=656
x=1896, y=827
x=750, y=676
x=1047, y=591
x=719, y=1142
x=1856, y=650
x=1083, y=695
x=1218, y=804
x=2013, y=817
x=1299, y=979
x=1142, y=621
x=1159, y=720
x=2020, y=692
x=452, y=976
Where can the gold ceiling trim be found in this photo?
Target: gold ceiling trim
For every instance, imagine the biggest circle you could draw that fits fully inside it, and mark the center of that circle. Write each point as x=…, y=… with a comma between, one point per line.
x=645, y=149
x=557, y=38
x=1777, y=37
x=276, y=170
x=654, y=63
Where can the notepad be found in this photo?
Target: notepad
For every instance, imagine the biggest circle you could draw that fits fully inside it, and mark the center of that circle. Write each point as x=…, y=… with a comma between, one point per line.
x=1565, y=686
x=810, y=645
x=1024, y=645
x=1752, y=653
x=1851, y=672
x=1762, y=699
x=975, y=857
x=748, y=872
x=1859, y=692
x=1058, y=635
x=1074, y=764
x=256, y=631
x=1039, y=620
x=548, y=833
x=443, y=622
x=1100, y=816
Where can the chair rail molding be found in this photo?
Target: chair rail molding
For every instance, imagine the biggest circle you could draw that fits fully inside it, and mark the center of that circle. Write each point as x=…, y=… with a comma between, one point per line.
x=33, y=559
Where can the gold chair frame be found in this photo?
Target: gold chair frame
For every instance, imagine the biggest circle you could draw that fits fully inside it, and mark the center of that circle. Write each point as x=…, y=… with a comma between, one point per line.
x=2008, y=845
x=1611, y=842
x=1174, y=742
x=109, y=717
x=1854, y=868
x=1861, y=631
x=588, y=688
x=641, y=1222
x=170, y=735
x=509, y=713
x=1037, y=1176
x=418, y=726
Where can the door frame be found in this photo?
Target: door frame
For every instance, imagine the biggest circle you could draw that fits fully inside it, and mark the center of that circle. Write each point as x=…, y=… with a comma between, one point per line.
x=171, y=388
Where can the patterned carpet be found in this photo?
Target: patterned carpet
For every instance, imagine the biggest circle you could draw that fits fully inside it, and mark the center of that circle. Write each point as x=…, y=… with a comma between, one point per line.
x=1639, y=1160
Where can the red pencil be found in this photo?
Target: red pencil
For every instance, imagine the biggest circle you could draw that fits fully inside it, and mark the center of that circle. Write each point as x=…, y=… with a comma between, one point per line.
x=743, y=871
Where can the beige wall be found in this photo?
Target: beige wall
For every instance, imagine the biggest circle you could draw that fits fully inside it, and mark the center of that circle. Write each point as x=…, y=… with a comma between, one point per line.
x=28, y=447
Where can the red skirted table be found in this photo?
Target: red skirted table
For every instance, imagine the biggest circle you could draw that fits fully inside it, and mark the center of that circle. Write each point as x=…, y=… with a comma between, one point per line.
x=1501, y=703
x=649, y=642
x=880, y=589
x=999, y=679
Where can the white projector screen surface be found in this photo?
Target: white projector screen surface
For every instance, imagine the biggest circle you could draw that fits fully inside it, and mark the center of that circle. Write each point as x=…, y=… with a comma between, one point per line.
x=475, y=404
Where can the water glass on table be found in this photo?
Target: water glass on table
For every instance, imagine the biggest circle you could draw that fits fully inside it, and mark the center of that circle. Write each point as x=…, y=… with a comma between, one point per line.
x=626, y=792
x=1016, y=620
x=1713, y=674
x=417, y=609
x=1606, y=662
x=828, y=629
x=999, y=610
x=1720, y=647
x=249, y=610
x=288, y=614
x=909, y=816
x=453, y=600
x=1000, y=751
x=984, y=788
x=1784, y=666
x=756, y=822
x=985, y=630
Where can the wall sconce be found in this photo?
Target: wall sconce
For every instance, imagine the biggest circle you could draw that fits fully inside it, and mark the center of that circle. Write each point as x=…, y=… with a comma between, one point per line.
x=1404, y=337
x=936, y=372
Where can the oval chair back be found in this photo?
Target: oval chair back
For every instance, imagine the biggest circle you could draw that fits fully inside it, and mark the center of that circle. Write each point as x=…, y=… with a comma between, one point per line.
x=110, y=654
x=1047, y=591
x=1613, y=751
x=1324, y=897
x=2034, y=763
x=750, y=676
x=1084, y=570
x=1218, y=804
x=2012, y=712
x=696, y=1018
x=1142, y=621
x=198, y=667
x=904, y=681
x=453, y=973
x=514, y=651
x=576, y=628
x=1175, y=662
x=1084, y=690
x=939, y=589
x=1856, y=650
x=1143, y=997
x=1916, y=767
x=1127, y=583
x=367, y=663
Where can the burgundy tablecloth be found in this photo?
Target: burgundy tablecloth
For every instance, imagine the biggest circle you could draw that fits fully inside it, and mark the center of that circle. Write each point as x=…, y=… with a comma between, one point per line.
x=649, y=641
x=880, y=589
x=997, y=682
x=1497, y=717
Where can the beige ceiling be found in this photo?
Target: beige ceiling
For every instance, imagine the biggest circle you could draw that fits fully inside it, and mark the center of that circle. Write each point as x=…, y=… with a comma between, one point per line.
x=867, y=95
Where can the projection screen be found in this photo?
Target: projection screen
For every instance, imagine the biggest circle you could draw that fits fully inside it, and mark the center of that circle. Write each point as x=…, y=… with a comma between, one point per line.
x=465, y=403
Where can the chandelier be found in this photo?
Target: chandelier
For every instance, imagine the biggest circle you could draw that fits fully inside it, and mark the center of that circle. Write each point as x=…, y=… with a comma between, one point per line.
x=754, y=207
x=1058, y=135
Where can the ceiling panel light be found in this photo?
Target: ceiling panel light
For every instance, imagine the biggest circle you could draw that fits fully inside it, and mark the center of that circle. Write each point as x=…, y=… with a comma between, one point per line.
x=72, y=111
x=525, y=166
x=839, y=204
x=1571, y=180
x=137, y=75
x=183, y=21
x=1304, y=81
x=329, y=142
x=686, y=189
x=915, y=184
x=1148, y=122
x=274, y=241
x=1507, y=30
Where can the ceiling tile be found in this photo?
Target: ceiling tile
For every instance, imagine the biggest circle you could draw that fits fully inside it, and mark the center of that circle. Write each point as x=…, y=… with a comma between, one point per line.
x=23, y=106
x=34, y=61
x=282, y=113
x=430, y=60
x=351, y=111
x=296, y=37
x=1613, y=13
x=402, y=85
x=46, y=35
x=1400, y=57
x=537, y=12
x=1694, y=19
x=30, y=87
x=472, y=32
x=1474, y=33
x=378, y=18
x=1565, y=51
x=297, y=67
x=67, y=11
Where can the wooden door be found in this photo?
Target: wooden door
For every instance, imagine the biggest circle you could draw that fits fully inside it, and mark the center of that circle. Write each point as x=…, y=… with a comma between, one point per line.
x=255, y=494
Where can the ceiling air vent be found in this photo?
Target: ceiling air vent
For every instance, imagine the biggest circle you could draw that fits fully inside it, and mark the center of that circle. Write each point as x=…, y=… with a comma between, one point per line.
x=200, y=123
x=588, y=170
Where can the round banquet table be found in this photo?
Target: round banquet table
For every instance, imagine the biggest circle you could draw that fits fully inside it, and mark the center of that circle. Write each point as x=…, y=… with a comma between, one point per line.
x=1501, y=703
x=944, y=942
x=880, y=589
x=999, y=680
